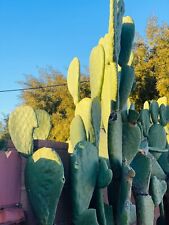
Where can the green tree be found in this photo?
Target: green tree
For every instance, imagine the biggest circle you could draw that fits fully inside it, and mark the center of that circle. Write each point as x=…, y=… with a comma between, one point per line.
x=151, y=63
x=4, y=134
x=55, y=100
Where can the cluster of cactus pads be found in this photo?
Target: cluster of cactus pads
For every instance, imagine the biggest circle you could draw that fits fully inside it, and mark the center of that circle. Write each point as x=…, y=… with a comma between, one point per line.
x=44, y=172
x=114, y=150
x=112, y=146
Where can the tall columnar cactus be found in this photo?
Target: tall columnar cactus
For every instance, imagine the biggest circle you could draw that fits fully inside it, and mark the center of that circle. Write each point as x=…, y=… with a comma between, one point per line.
x=111, y=85
x=117, y=131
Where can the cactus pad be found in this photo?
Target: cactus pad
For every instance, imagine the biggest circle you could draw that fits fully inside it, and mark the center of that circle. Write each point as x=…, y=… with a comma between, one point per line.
x=145, y=210
x=22, y=122
x=126, y=83
x=127, y=37
x=97, y=65
x=44, y=125
x=83, y=109
x=44, y=177
x=84, y=171
x=77, y=131
x=105, y=174
x=96, y=119
x=157, y=190
x=73, y=80
x=142, y=165
x=109, y=92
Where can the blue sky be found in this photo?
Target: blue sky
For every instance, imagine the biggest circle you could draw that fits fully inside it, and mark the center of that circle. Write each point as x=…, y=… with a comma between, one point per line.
x=39, y=33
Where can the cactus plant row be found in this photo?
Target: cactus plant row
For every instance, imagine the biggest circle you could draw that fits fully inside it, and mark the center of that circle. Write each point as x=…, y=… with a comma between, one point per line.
x=114, y=149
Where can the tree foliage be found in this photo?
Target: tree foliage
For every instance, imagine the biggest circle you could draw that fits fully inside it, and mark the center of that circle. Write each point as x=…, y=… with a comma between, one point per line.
x=151, y=63
x=55, y=100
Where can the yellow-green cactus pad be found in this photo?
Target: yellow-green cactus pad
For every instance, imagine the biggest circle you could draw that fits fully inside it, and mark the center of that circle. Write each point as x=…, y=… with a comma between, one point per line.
x=22, y=122
x=44, y=125
x=44, y=180
x=146, y=105
x=83, y=109
x=127, y=37
x=106, y=42
x=73, y=80
x=77, y=131
x=162, y=100
x=97, y=64
x=109, y=92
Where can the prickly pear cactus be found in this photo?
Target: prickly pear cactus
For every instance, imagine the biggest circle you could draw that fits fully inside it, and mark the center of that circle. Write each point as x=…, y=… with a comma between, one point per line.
x=44, y=125
x=120, y=135
x=84, y=171
x=44, y=180
x=73, y=79
x=22, y=122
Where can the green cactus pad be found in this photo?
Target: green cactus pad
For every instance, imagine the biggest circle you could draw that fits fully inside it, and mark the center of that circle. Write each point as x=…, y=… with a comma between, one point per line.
x=142, y=166
x=83, y=109
x=157, y=190
x=133, y=116
x=105, y=174
x=115, y=25
x=103, y=147
x=132, y=213
x=87, y=217
x=126, y=83
x=163, y=113
x=109, y=92
x=115, y=143
x=44, y=180
x=96, y=119
x=73, y=80
x=127, y=37
x=154, y=111
x=145, y=210
x=131, y=58
x=131, y=141
x=106, y=43
x=84, y=171
x=109, y=214
x=124, y=204
x=97, y=65
x=77, y=131
x=156, y=168
x=164, y=162
x=22, y=122
x=44, y=125
x=145, y=121
x=157, y=140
